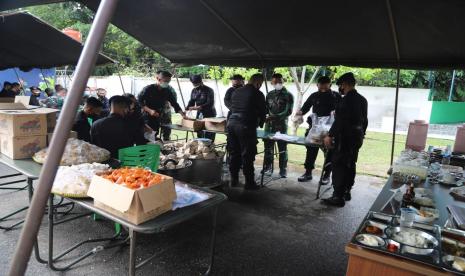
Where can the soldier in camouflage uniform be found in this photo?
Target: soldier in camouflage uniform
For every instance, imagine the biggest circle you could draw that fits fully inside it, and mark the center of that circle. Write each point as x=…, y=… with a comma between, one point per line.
x=279, y=104
x=166, y=116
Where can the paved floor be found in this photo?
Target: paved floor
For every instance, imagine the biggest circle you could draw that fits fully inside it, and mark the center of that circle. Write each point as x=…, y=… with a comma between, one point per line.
x=280, y=230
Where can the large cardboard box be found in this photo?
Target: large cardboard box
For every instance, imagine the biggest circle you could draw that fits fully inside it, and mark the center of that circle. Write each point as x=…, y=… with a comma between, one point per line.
x=136, y=206
x=196, y=125
x=216, y=124
x=12, y=106
x=23, y=123
x=51, y=117
x=22, y=147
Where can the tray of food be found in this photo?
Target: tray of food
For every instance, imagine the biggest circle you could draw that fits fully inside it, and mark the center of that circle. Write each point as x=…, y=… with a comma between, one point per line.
x=382, y=233
x=453, y=250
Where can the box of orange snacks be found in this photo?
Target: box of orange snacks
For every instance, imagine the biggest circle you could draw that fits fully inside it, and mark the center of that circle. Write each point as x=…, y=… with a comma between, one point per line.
x=134, y=194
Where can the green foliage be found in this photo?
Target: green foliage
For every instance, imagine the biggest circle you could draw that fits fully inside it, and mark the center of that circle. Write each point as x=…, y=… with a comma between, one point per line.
x=224, y=73
x=48, y=82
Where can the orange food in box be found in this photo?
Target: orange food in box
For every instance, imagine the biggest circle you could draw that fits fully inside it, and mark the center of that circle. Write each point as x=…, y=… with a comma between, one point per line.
x=134, y=178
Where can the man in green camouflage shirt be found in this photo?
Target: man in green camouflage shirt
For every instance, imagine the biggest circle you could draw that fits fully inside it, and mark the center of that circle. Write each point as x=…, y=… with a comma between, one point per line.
x=279, y=104
x=166, y=114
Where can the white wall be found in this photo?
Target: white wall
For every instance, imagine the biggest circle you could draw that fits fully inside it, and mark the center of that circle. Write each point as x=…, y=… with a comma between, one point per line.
x=413, y=103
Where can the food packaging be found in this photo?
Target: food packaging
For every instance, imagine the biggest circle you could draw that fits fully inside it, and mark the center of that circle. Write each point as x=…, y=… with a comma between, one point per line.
x=320, y=128
x=23, y=122
x=51, y=117
x=135, y=206
x=22, y=147
x=216, y=124
x=196, y=125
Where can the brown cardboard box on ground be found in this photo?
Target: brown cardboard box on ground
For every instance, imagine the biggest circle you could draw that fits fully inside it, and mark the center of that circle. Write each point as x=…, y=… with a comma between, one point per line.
x=22, y=147
x=23, y=123
x=72, y=134
x=194, y=124
x=135, y=206
x=51, y=117
x=217, y=124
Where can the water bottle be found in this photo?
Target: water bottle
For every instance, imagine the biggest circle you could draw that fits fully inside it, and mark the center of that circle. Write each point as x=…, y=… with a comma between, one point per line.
x=446, y=156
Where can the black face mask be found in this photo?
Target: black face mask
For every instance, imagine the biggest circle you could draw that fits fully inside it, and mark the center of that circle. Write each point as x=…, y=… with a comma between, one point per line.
x=237, y=85
x=341, y=91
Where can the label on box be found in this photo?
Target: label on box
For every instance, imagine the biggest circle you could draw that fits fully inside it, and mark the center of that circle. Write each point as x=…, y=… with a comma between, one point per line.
x=22, y=123
x=21, y=147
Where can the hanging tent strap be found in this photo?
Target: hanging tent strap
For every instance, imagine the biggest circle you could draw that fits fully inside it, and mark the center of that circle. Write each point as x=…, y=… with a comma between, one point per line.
x=175, y=73
x=118, y=71
x=396, y=46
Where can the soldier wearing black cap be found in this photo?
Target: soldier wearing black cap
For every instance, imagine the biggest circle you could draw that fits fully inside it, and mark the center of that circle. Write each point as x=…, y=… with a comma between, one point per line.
x=323, y=103
x=202, y=100
x=153, y=99
x=248, y=111
x=346, y=137
x=6, y=90
x=237, y=81
x=35, y=95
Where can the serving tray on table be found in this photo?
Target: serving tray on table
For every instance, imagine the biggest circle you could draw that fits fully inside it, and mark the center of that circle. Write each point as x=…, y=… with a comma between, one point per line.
x=433, y=259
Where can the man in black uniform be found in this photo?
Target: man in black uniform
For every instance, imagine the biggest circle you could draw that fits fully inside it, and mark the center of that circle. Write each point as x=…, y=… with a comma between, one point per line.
x=248, y=111
x=112, y=133
x=202, y=100
x=86, y=117
x=346, y=136
x=153, y=98
x=237, y=81
x=323, y=102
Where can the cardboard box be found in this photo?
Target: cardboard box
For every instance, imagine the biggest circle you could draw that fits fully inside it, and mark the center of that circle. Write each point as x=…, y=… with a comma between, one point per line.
x=196, y=125
x=135, y=206
x=12, y=106
x=23, y=123
x=51, y=117
x=216, y=124
x=22, y=147
x=72, y=134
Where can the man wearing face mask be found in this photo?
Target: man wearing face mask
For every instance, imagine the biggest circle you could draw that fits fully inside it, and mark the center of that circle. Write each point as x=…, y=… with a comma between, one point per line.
x=346, y=137
x=86, y=117
x=237, y=81
x=248, y=111
x=202, y=100
x=35, y=95
x=153, y=98
x=323, y=103
x=166, y=114
x=279, y=104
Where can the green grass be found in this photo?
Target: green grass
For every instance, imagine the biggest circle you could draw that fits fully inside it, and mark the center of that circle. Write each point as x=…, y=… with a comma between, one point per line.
x=374, y=156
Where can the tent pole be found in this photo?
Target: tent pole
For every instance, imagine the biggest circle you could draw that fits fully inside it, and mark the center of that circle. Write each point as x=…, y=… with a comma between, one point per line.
x=218, y=90
x=43, y=77
x=451, y=90
x=19, y=81
x=84, y=68
x=396, y=48
x=395, y=115
x=179, y=87
x=264, y=76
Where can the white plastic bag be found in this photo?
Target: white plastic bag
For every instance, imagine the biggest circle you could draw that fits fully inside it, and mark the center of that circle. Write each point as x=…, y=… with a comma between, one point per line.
x=320, y=128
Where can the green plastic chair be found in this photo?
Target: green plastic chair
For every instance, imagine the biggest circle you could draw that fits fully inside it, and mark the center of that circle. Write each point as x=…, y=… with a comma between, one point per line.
x=145, y=156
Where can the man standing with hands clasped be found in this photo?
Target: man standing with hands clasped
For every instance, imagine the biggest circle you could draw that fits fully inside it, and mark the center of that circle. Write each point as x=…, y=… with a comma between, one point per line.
x=279, y=103
x=346, y=137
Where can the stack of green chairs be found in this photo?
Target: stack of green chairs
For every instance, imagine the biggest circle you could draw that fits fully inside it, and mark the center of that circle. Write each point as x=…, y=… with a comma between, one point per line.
x=145, y=156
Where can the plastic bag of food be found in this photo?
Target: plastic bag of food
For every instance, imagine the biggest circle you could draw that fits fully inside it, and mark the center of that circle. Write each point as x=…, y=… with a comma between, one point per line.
x=75, y=180
x=320, y=128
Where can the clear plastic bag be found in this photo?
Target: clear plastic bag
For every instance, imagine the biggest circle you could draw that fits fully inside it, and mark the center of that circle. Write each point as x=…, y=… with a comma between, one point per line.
x=320, y=128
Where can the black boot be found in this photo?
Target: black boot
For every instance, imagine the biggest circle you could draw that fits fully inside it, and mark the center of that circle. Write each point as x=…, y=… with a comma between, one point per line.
x=347, y=196
x=307, y=176
x=234, y=181
x=334, y=201
x=283, y=173
x=326, y=179
x=250, y=183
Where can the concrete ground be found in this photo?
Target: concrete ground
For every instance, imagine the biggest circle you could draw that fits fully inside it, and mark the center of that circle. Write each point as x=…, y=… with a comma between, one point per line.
x=279, y=230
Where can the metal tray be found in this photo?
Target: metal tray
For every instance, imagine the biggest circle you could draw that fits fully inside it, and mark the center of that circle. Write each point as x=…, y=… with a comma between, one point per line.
x=432, y=258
